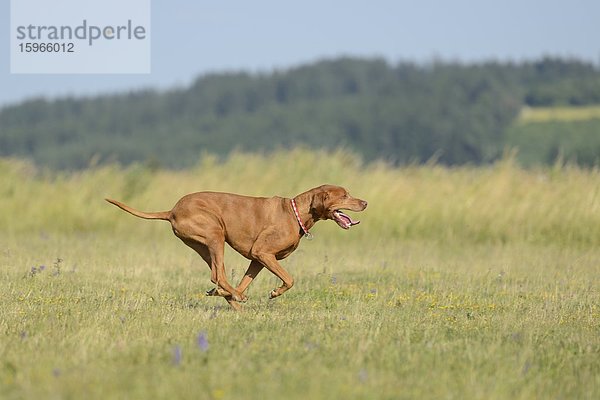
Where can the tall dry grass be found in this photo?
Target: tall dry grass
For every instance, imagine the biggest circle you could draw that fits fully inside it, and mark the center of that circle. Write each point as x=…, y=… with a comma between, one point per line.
x=499, y=203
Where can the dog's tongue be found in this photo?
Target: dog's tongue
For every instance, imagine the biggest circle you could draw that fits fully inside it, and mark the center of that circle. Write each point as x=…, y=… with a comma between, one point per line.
x=344, y=220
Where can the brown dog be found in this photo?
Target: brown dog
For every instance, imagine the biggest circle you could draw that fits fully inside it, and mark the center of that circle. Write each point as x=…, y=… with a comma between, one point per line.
x=261, y=229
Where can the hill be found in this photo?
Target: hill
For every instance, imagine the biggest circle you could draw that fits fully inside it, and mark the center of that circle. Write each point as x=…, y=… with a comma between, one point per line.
x=403, y=113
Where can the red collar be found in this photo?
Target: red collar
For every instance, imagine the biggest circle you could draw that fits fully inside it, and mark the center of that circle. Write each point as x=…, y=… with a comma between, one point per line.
x=304, y=230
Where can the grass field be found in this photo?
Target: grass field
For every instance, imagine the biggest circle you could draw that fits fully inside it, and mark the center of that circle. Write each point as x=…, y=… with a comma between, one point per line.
x=559, y=114
x=459, y=283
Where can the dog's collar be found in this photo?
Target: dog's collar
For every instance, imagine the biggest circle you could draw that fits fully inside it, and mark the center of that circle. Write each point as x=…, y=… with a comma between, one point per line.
x=305, y=231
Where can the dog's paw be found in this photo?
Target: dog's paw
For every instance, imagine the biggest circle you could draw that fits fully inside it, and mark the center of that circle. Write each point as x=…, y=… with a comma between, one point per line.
x=273, y=294
x=242, y=298
x=239, y=297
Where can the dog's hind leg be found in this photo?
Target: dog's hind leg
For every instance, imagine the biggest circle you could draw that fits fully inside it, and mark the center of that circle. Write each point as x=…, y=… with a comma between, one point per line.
x=204, y=252
x=216, y=247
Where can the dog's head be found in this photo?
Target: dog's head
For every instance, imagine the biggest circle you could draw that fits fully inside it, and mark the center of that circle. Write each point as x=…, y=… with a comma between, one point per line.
x=328, y=202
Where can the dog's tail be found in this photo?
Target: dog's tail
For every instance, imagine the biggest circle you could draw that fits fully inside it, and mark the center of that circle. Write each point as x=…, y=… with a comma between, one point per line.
x=154, y=215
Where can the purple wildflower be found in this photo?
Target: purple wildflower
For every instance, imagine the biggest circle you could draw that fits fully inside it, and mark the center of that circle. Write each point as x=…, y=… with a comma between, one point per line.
x=177, y=355
x=202, y=341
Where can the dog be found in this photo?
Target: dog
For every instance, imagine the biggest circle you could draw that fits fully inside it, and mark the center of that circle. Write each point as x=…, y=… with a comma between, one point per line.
x=263, y=230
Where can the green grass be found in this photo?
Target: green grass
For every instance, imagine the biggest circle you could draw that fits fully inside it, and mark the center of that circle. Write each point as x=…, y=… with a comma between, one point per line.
x=459, y=283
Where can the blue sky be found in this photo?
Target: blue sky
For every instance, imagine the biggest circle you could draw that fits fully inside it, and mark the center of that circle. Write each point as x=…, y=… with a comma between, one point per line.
x=190, y=38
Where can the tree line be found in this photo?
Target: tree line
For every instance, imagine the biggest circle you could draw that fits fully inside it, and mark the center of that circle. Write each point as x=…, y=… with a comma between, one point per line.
x=403, y=113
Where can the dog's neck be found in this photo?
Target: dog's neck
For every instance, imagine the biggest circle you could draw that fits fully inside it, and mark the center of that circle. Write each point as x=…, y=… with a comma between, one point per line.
x=306, y=212
x=303, y=228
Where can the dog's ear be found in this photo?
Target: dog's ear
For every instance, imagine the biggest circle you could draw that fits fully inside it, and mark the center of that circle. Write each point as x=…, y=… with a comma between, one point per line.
x=318, y=203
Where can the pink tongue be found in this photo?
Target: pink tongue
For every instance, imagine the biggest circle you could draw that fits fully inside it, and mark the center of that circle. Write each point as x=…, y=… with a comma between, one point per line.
x=348, y=219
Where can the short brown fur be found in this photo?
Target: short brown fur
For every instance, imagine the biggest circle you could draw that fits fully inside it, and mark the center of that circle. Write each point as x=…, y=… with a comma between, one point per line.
x=264, y=230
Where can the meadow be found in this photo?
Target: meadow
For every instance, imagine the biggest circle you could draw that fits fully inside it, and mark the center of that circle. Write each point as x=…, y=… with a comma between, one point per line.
x=549, y=135
x=460, y=283
x=559, y=113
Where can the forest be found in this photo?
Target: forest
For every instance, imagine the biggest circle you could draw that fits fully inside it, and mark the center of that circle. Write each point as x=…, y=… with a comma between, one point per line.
x=444, y=112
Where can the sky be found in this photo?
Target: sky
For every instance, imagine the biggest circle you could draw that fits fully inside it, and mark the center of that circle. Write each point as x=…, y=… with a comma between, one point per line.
x=191, y=38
